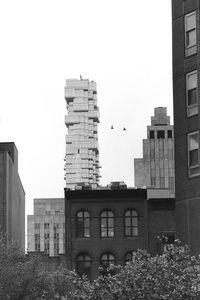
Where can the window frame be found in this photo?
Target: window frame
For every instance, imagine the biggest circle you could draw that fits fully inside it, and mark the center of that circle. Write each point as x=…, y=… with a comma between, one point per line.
x=108, y=227
x=190, y=49
x=192, y=109
x=190, y=168
x=81, y=229
x=132, y=227
x=83, y=261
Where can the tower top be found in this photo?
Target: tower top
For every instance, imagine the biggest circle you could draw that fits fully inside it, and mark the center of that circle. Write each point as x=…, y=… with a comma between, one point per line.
x=160, y=117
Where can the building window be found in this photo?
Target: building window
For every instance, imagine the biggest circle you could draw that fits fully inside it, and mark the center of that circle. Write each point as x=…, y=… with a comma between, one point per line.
x=151, y=134
x=168, y=238
x=193, y=154
x=56, y=239
x=131, y=223
x=190, y=34
x=191, y=93
x=107, y=223
x=160, y=134
x=169, y=134
x=83, y=265
x=83, y=224
x=129, y=256
x=106, y=260
x=46, y=226
x=37, y=242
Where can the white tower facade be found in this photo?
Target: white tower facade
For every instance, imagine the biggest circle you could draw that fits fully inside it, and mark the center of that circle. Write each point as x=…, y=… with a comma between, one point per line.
x=82, y=149
x=156, y=168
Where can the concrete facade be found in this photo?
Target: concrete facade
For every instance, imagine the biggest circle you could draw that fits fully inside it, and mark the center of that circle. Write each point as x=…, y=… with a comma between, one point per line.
x=186, y=97
x=46, y=228
x=12, y=195
x=128, y=208
x=156, y=168
x=82, y=150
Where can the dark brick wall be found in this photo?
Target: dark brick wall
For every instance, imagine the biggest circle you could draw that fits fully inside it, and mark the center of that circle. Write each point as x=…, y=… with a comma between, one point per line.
x=152, y=222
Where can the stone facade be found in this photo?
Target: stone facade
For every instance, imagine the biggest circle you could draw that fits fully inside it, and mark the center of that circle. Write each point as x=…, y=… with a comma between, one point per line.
x=12, y=195
x=186, y=96
x=82, y=150
x=46, y=228
x=156, y=168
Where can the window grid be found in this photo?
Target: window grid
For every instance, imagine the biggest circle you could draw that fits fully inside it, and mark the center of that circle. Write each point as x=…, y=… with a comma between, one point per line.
x=191, y=93
x=193, y=154
x=83, y=224
x=131, y=223
x=190, y=34
x=107, y=223
x=83, y=264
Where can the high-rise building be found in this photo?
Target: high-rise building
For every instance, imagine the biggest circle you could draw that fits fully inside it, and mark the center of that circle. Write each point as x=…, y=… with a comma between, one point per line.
x=82, y=150
x=156, y=169
x=12, y=196
x=186, y=96
x=46, y=228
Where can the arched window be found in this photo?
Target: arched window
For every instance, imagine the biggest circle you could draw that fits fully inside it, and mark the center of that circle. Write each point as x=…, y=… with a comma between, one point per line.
x=128, y=256
x=105, y=261
x=83, y=224
x=83, y=264
x=107, y=223
x=131, y=223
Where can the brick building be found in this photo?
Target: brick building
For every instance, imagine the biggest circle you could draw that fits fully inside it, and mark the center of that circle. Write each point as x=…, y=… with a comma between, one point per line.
x=12, y=195
x=106, y=225
x=186, y=95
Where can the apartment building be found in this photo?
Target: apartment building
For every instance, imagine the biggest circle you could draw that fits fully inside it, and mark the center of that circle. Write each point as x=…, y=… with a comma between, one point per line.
x=82, y=150
x=186, y=97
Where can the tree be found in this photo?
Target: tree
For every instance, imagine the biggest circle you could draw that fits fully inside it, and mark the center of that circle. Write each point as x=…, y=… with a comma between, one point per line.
x=173, y=275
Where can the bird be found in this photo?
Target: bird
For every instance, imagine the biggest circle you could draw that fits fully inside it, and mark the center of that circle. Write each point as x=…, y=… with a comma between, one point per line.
x=111, y=127
x=124, y=128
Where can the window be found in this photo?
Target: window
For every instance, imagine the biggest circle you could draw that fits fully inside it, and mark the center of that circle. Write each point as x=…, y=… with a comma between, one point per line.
x=107, y=223
x=168, y=238
x=37, y=242
x=83, y=224
x=160, y=134
x=169, y=134
x=46, y=225
x=106, y=260
x=83, y=264
x=190, y=34
x=131, y=223
x=193, y=154
x=151, y=134
x=191, y=93
x=128, y=256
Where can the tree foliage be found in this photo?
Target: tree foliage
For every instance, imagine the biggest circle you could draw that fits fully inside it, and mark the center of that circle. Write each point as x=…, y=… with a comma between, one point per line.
x=173, y=275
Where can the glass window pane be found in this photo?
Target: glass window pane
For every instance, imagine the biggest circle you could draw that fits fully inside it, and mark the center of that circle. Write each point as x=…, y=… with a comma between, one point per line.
x=110, y=222
x=191, y=38
x=103, y=222
x=192, y=97
x=128, y=221
x=134, y=231
x=134, y=221
x=87, y=232
x=134, y=213
x=111, y=232
x=80, y=214
x=86, y=222
x=193, y=157
x=128, y=231
x=104, y=232
x=192, y=80
x=110, y=214
x=190, y=21
x=128, y=213
x=193, y=141
x=103, y=214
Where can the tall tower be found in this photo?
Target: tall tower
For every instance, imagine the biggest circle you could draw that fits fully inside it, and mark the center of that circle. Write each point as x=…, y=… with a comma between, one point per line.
x=82, y=150
x=186, y=97
x=156, y=168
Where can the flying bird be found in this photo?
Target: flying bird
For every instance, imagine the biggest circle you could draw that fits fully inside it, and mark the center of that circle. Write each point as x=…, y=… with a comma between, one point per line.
x=124, y=128
x=111, y=127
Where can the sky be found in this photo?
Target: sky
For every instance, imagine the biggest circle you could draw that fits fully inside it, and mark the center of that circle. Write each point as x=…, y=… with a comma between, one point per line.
x=123, y=45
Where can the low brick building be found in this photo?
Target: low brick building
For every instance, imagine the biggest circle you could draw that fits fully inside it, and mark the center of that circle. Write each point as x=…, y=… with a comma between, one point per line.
x=105, y=226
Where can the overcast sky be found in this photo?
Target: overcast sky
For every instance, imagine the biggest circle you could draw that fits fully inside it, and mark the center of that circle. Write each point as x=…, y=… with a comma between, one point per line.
x=123, y=45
